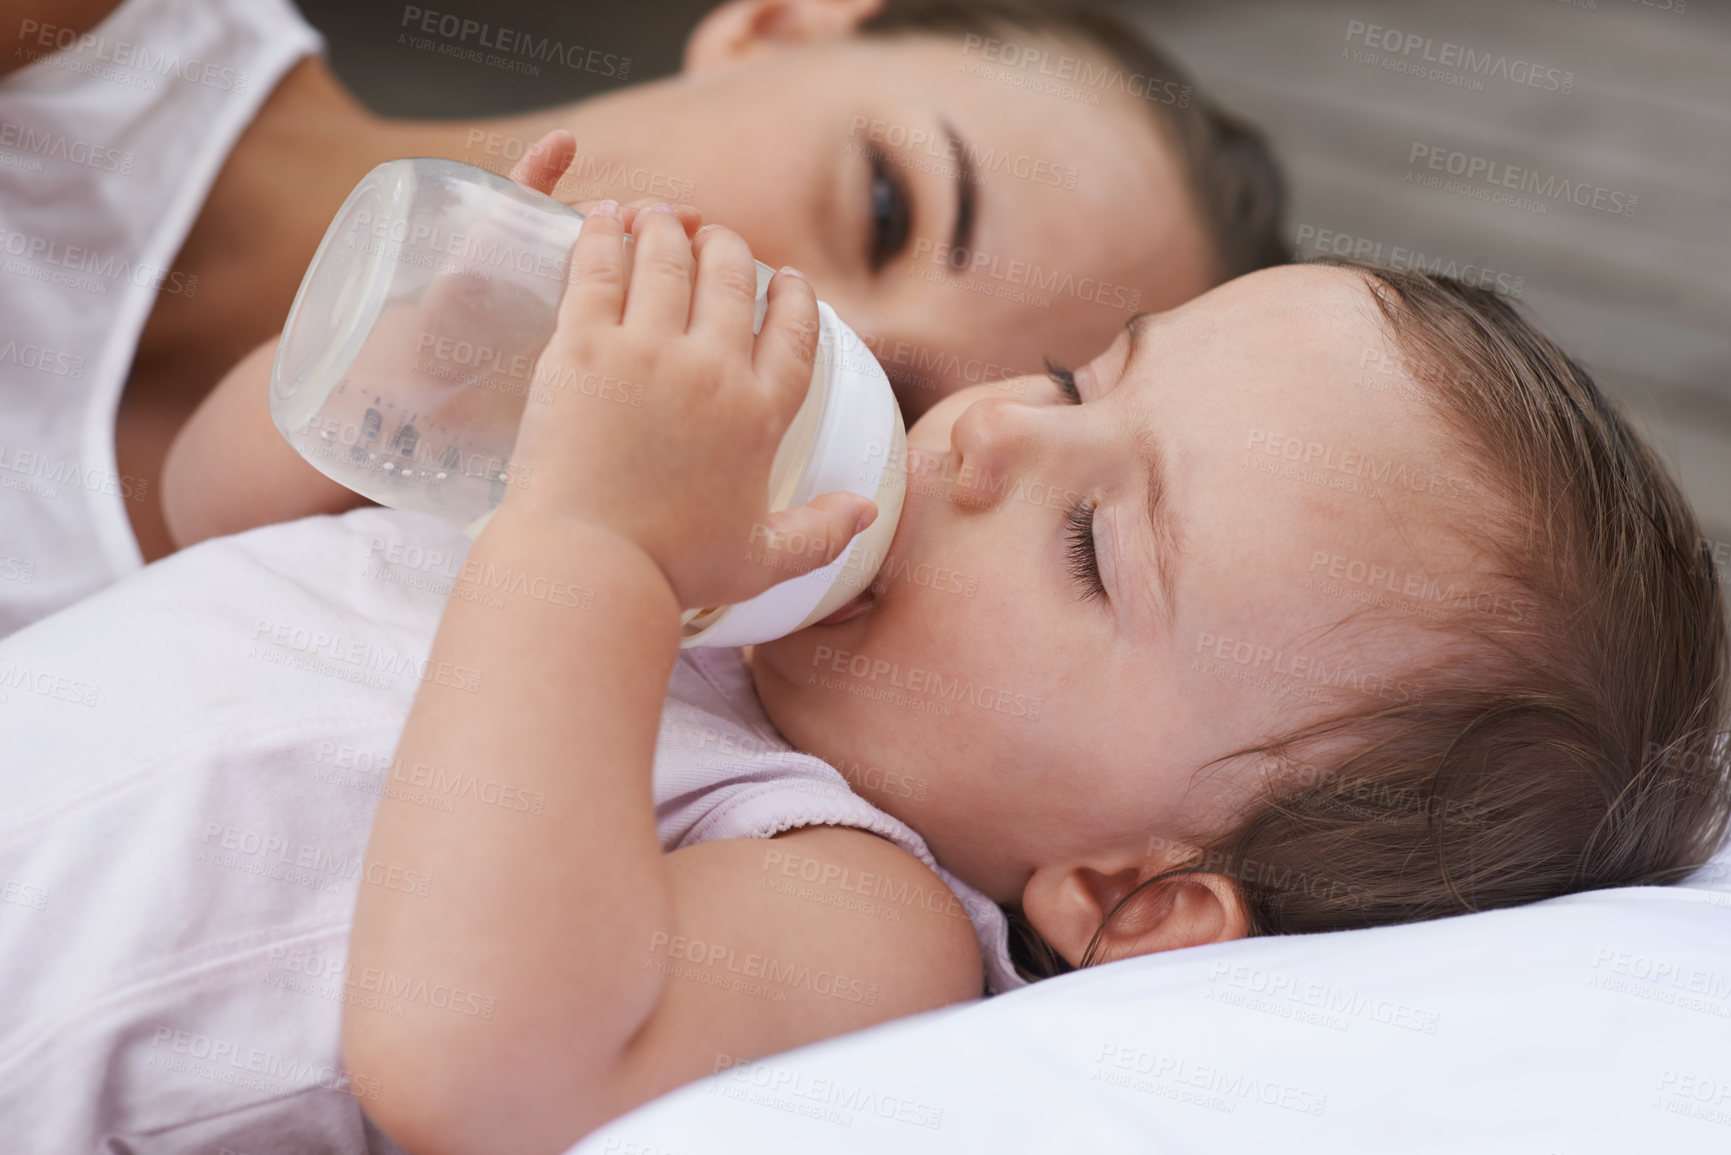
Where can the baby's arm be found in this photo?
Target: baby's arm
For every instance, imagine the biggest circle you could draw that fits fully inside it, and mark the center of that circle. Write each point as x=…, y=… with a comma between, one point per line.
x=611, y=972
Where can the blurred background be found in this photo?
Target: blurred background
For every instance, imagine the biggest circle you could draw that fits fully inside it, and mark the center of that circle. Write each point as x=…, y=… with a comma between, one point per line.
x=1633, y=100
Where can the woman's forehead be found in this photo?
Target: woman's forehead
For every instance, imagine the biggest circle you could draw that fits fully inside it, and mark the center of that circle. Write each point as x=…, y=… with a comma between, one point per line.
x=1000, y=107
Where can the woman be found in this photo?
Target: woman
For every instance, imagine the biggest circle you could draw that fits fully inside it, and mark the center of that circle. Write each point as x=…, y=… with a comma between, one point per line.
x=835, y=135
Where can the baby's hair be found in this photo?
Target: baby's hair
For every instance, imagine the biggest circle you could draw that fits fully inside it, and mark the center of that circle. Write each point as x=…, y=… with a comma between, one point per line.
x=1576, y=745
x=1235, y=180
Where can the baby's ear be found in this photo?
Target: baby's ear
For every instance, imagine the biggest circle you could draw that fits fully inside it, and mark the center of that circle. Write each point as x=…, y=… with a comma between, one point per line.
x=740, y=29
x=1067, y=904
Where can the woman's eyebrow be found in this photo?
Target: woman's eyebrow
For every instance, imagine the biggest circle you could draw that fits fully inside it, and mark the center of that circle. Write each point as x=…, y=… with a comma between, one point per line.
x=962, y=235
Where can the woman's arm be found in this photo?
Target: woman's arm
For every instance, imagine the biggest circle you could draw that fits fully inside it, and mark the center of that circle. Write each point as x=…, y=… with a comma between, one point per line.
x=601, y=971
x=229, y=469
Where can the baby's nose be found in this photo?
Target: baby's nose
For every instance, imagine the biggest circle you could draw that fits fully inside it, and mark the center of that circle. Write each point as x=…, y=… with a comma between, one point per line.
x=994, y=440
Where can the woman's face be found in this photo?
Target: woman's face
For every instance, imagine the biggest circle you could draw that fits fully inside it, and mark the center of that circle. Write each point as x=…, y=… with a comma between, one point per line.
x=846, y=158
x=1089, y=597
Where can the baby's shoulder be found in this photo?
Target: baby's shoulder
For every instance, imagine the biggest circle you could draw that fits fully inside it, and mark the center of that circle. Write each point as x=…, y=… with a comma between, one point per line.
x=843, y=912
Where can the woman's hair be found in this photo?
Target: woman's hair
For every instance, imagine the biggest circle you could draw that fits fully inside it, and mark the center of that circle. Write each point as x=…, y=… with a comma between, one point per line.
x=1573, y=737
x=1234, y=179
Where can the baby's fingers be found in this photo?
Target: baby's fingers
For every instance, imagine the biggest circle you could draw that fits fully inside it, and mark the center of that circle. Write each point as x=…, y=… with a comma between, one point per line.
x=688, y=215
x=546, y=161
x=810, y=536
x=725, y=301
x=596, y=293
x=787, y=343
x=662, y=271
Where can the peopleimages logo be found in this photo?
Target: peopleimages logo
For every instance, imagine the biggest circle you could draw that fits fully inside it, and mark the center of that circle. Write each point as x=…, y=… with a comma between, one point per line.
x=1074, y=76
x=58, y=146
x=1406, y=259
x=16, y=677
x=1306, y=676
x=360, y=655
x=40, y=359
x=1176, y=1076
x=757, y=973
x=257, y=1068
x=896, y=682
x=1333, y=1000
x=44, y=471
x=1015, y=279
x=961, y=161
x=1456, y=63
x=802, y=1093
x=1371, y=583
x=45, y=259
x=1484, y=178
x=1324, y=459
x=74, y=46
x=921, y=366
x=458, y=32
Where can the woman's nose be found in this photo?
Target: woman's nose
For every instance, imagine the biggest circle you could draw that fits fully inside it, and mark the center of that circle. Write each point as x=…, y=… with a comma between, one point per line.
x=996, y=439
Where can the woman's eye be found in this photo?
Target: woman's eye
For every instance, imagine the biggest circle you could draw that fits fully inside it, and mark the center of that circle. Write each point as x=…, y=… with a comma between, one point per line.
x=1084, y=563
x=889, y=210
x=1064, y=380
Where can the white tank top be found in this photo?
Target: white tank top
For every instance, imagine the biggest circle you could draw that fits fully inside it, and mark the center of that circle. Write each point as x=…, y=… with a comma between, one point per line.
x=193, y=757
x=109, y=143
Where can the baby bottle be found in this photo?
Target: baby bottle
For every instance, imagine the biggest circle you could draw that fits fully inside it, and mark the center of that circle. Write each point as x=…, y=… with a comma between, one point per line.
x=411, y=351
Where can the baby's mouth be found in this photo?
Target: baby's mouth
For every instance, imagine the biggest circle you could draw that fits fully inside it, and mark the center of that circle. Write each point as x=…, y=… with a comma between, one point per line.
x=868, y=598
x=863, y=602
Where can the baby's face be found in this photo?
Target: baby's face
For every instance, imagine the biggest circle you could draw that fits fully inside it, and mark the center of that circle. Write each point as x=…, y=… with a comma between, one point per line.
x=1248, y=458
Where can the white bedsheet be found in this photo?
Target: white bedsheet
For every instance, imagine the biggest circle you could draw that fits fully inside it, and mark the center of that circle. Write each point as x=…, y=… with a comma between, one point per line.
x=1592, y=1023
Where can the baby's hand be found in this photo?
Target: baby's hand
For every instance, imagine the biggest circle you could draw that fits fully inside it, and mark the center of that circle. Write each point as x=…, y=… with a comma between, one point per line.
x=545, y=162
x=656, y=412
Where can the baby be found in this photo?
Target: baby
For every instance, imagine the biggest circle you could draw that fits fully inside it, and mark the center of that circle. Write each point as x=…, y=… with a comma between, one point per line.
x=1329, y=599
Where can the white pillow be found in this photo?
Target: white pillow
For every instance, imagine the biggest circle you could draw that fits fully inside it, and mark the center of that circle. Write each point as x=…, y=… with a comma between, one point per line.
x=1595, y=1022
